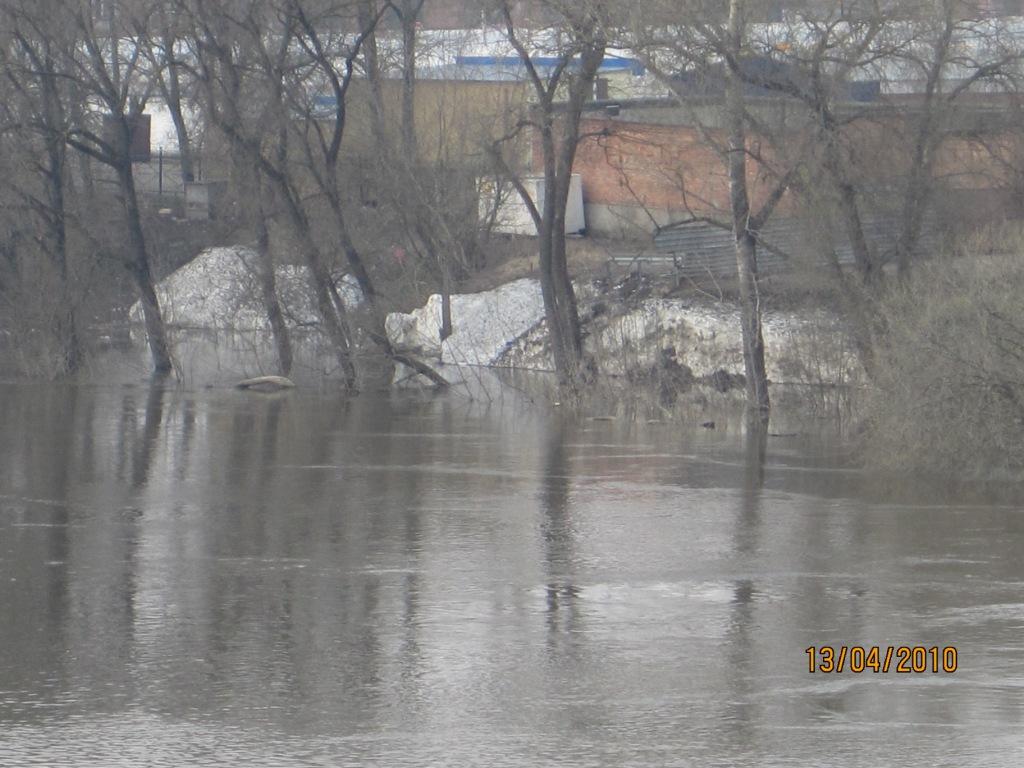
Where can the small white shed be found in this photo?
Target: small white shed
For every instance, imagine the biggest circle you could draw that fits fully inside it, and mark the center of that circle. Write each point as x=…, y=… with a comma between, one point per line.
x=514, y=217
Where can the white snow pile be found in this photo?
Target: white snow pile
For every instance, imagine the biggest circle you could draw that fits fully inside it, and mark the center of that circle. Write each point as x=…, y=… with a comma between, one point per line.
x=220, y=289
x=505, y=328
x=483, y=324
x=707, y=337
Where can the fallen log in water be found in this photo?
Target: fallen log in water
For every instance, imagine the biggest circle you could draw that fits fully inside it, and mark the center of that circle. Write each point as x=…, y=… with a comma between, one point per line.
x=266, y=384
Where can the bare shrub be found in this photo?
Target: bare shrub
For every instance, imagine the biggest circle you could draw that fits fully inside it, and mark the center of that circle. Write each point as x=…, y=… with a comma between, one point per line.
x=30, y=319
x=950, y=386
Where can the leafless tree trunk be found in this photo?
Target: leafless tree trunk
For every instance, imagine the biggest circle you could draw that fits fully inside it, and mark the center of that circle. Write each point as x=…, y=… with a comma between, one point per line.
x=271, y=302
x=54, y=212
x=408, y=12
x=104, y=61
x=413, y=189
x=746, y=245
x=222, y=77
x=248, y=178
x=321, y=140
x=727, y=41
x=169, y=81
x=558, y=127
x=140, y=268
x=35, y=118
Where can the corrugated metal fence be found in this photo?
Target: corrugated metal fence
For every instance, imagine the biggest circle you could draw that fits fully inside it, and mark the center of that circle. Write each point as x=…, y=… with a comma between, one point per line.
x=699, y=249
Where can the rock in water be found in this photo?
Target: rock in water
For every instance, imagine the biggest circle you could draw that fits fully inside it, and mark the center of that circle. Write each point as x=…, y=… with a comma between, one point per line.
x=266, y=384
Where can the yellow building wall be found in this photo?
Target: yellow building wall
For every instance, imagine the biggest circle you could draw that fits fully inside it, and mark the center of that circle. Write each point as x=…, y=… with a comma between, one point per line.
x=455, y=120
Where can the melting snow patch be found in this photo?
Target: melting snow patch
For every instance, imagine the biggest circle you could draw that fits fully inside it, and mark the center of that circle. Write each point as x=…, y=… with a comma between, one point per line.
x=505, y=328
x=483, y=324
x=220, y=289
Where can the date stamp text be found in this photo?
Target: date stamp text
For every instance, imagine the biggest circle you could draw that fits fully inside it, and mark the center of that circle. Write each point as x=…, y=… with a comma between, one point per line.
x=902, y=659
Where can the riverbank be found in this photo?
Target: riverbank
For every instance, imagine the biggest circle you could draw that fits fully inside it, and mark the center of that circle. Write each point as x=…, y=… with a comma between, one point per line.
x=635, y=327
x=665, y=354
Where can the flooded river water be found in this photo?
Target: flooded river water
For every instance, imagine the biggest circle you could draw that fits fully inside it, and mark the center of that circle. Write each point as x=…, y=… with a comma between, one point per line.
x=208, y=577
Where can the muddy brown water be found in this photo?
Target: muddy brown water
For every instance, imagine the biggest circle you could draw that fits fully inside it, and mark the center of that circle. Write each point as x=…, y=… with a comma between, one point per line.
x=195, y=577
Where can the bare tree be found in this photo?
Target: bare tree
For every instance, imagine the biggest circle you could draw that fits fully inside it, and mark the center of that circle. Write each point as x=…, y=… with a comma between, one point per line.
x=36, y=121
x=426, y=182
x=210, y=61
x=408, y=13
x=934, y=52
x=255, y=202
x=953, y=56
x=577, y=45
x=706, y=46
x=332, y=60
x=167, y=54
x=103, y=57
x=743, y=225
x=244, y=54
x=299, y=58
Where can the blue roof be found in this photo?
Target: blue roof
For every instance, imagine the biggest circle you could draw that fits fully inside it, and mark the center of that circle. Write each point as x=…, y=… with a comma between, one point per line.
x=608, y=64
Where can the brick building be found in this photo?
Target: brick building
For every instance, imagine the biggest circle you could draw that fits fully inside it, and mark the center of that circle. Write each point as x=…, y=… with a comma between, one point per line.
x=648, y=163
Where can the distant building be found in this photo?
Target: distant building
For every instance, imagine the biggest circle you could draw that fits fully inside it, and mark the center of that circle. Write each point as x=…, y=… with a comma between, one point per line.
x=648, y=163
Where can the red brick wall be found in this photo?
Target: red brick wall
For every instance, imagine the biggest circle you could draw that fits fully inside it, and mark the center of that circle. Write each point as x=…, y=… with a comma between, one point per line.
x=656, y=166
x=663, y=168
x=675, y=170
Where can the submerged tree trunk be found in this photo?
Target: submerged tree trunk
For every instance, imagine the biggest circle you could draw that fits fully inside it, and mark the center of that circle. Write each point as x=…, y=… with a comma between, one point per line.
x=560, y=139
x=563, y=321
x=557, y=126
x=268, y=291
x=332, y=313
x=247, y=176
x=374, y=325
x=66, y=315
x=56, y=221
x=758, y=401
x=140, y=267
x=568, y=336
x=446, y=302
